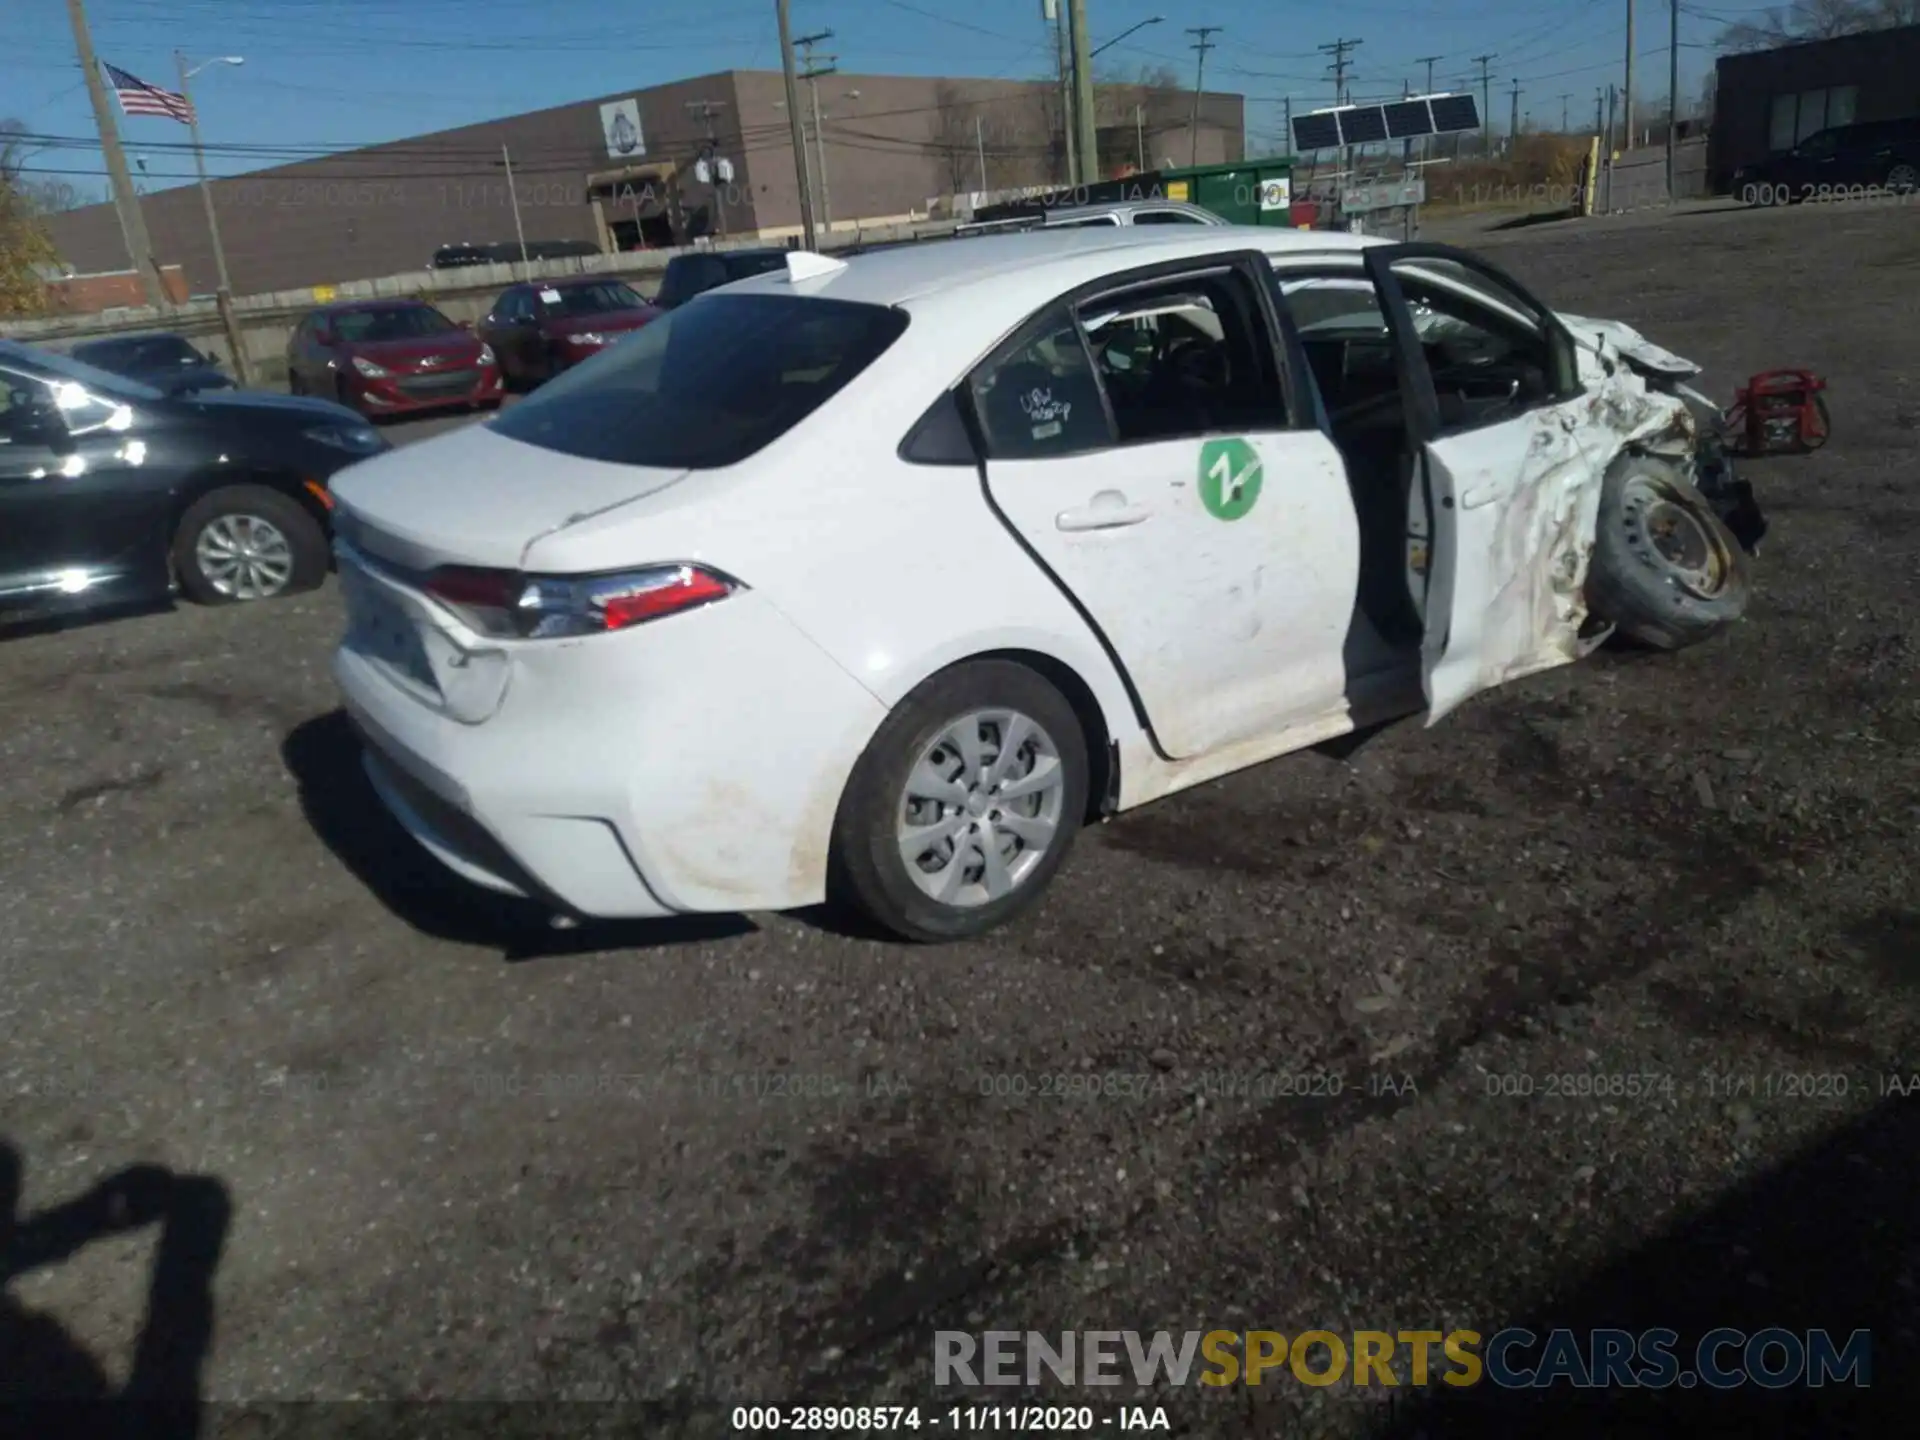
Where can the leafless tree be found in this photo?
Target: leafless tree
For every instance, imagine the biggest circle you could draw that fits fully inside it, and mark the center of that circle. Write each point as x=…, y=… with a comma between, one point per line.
x=1817, y=20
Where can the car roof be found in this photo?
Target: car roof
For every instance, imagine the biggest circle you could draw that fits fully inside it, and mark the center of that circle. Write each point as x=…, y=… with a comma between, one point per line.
x=1028, y=267
x=132, y=336
x=1124, y=207
x=378, y=302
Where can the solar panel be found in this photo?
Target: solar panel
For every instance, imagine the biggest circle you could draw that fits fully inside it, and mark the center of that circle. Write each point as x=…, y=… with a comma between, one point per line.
x=1316, y=132
x=1454, y=113
x=1407, y=118
x=1363, y=124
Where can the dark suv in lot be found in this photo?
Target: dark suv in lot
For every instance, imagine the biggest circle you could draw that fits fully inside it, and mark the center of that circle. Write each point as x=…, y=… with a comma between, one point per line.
x=1847, y=161
x=689, y=275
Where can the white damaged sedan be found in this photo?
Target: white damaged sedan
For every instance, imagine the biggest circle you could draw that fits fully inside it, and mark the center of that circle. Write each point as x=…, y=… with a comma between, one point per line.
x=877, y=579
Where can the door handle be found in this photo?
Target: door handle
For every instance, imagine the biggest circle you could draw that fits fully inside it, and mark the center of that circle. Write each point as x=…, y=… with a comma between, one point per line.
x=1113, y=514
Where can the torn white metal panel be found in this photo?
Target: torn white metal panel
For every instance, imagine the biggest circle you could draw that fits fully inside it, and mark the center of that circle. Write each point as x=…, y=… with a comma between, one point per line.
x=1602, y=336
x=1527, y=504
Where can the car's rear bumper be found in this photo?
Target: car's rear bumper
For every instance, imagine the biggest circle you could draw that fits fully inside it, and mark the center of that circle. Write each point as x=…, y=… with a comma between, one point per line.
x=692, y=765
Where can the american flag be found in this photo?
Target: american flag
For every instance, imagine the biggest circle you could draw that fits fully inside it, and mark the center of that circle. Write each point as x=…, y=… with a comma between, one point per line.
x=139, y=98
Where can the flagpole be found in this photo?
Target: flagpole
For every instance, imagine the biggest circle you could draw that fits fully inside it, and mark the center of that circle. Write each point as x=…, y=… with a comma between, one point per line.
x=133, y=225
x=223, y=297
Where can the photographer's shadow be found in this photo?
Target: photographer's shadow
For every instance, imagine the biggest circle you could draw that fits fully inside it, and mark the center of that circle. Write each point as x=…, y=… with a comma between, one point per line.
x=51, y=1387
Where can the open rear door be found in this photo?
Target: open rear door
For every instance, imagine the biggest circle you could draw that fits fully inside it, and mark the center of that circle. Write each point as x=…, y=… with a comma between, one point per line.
x=1508, y=492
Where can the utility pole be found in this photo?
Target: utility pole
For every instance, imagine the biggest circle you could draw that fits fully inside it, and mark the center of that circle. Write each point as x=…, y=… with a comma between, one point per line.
x=980, y=148
x=1064, y=48
x=133, y=225
x=1406, y=145
x=1140, y=136
x=794, y=123
x=1201, y=45
x=1600, y=113
x=1087, y=137
x=1626, y=103
x=1565, y=123
x=1673, y=98
x=1287, y=111
x=1338, y=49
x=1486, y=101
x=815, y=69
x=1607, y=194
x=1513, y=124
x=719, y=171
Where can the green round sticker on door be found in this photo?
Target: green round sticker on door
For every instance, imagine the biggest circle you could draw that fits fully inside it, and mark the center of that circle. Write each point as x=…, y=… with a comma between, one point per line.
x=1229, y=478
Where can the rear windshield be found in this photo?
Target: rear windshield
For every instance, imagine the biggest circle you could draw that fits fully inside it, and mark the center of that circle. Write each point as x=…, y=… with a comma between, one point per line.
x=401, y=322
x=147, y=352
x=739, y=267
x=592, y=299
x=689, y=275
x=707, y=384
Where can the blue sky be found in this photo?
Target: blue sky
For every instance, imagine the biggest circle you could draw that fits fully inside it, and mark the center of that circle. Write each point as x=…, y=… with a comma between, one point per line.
x=324, y=74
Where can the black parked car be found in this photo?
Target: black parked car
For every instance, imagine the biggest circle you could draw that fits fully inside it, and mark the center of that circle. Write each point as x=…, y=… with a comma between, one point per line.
x=694, y=274
x=112, y=491
x=1846, y=162
x=165, y=361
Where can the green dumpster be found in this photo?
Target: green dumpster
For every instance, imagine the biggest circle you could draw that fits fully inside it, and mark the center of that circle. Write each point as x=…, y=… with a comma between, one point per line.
x=1244, y=192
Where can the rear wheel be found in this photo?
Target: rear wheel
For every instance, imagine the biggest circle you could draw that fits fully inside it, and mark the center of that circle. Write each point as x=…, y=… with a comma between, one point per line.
x=246, y=542
x=1904, y=178
x=964, y=805
x=1666, y=570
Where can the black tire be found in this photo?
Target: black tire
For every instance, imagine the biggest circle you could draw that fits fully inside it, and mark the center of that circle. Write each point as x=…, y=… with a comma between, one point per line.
x=867, y=868
x=306, y=541
x=295, y=385
x=1666, y=571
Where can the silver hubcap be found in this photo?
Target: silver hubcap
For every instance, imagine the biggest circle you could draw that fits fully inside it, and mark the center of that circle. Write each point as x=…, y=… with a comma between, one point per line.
x=981, y=808
x=1904, y=177
x=244, y=557
x=1669, y=532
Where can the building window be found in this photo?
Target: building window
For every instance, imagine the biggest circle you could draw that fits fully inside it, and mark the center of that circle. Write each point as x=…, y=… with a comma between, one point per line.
x=1795, y=117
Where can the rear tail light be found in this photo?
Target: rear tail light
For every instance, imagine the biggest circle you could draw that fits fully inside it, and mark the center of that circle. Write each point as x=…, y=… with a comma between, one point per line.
x=507, y=604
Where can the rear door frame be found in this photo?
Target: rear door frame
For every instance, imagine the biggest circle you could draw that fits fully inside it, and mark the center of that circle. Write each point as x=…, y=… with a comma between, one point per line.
x=1425, y=428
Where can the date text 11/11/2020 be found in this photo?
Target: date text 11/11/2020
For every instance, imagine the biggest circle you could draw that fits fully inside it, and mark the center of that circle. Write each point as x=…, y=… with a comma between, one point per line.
x=1006, y=1419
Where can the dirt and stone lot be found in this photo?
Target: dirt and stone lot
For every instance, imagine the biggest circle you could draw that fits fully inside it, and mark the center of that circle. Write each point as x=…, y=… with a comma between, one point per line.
x=290, y=1114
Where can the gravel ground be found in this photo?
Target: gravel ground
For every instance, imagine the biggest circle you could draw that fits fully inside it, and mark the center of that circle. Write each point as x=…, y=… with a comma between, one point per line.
x=295, y=1116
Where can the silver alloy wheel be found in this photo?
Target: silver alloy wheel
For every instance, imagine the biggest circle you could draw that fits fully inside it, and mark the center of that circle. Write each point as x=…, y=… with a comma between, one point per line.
x=1904, y=179
x=244, y=557
x=981, y=808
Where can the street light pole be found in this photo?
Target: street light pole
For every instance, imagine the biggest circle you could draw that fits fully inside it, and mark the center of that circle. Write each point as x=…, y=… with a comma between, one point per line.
x=514, y=197
x=223, y=293
x=200, y=159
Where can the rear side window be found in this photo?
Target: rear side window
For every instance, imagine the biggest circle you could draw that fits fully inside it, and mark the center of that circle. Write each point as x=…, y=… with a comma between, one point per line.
x=689, y=275
x=707, y=384
x=739, y=267
x=1165, y=217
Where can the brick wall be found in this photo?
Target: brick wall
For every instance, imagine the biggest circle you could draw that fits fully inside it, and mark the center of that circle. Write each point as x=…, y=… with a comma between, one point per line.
x=111, y=290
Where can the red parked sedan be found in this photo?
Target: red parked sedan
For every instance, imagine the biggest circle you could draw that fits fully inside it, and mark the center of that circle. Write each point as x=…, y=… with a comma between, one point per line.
x=543, y=327
x=391, y=357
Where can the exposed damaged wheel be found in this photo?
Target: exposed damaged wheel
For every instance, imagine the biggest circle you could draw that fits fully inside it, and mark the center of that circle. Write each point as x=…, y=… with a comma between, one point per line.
x=1666, y=571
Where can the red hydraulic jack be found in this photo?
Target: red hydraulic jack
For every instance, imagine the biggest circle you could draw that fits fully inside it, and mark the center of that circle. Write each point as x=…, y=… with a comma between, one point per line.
x=1780, y=412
